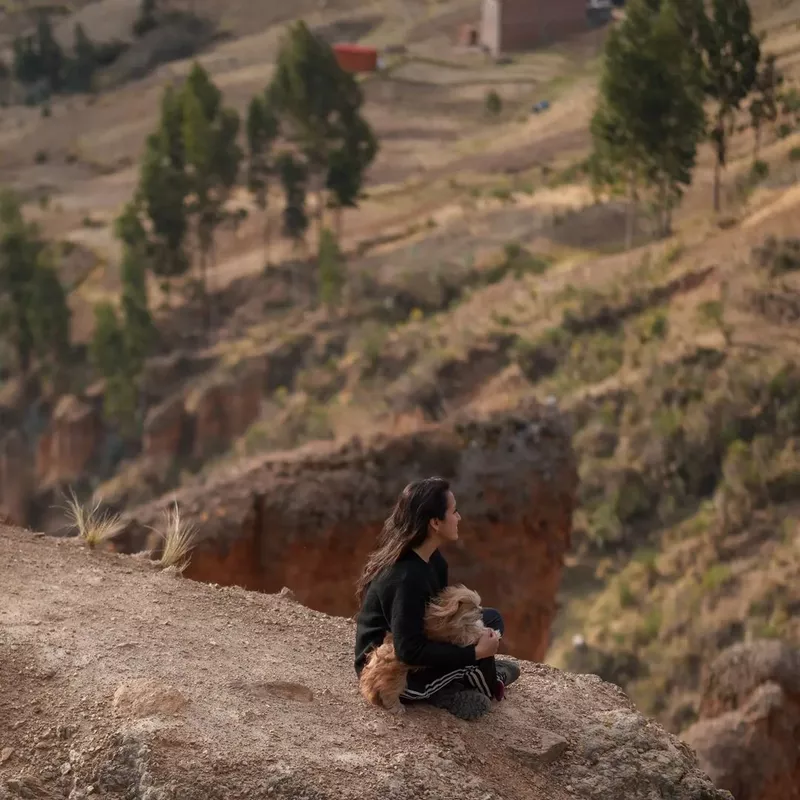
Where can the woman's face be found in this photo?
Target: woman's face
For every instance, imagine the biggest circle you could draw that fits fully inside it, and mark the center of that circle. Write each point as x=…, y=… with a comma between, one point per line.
x=446, y=530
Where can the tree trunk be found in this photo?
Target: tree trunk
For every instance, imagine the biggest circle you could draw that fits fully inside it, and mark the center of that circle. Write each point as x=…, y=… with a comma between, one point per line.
x=320, y=215
x=203, y=248
x=719, y=140
x=631, y=215
x=267, y=237
x=211, y=305
x=339, y=224
x=204, y=290
x=663, y=209
x=757, y=143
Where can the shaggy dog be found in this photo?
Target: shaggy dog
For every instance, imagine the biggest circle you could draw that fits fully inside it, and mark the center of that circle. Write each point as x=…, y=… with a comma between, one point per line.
x=453, y=616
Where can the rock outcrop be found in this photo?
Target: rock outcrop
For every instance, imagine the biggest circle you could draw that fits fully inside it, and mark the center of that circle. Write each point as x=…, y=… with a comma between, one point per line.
x=164, y=429
x=16, y=478
x=191, y=417
x=67, y=447
x=748, y=737
x=120, y=681
x=308, y=519
x=223, y=409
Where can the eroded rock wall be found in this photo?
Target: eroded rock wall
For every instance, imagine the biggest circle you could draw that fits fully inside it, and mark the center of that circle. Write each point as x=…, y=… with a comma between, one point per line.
x=748, y=737
x=307, y=520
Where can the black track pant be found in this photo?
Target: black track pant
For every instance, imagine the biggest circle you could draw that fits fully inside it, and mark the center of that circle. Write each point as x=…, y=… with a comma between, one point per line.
x=482, y=676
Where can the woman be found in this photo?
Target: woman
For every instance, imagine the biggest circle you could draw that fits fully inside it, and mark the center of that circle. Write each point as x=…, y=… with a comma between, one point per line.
x=400, y=578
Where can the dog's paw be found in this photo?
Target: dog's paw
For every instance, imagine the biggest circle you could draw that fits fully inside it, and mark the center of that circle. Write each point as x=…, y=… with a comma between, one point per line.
x=397, y=709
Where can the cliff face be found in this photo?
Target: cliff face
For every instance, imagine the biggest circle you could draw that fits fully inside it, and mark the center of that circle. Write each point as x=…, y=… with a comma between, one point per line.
x=16, y=477
x=190, y=415
x=748, y=738
x=138, y=685
x=308, y=520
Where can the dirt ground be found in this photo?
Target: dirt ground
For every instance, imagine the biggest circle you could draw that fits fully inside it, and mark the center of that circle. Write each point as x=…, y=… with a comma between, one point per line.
x=119, y=680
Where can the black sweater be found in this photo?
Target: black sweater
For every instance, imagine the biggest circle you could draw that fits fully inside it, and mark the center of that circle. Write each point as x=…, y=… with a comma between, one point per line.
x=395, y=601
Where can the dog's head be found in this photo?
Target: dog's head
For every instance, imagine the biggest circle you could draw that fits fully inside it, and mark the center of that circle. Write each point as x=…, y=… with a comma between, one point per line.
x=456, y=607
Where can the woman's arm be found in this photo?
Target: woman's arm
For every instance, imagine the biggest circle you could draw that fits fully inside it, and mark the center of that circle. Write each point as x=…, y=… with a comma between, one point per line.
x=408, y=630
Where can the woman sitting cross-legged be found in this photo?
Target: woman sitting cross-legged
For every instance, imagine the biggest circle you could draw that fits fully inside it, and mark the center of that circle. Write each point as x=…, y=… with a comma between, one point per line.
x=399, y=580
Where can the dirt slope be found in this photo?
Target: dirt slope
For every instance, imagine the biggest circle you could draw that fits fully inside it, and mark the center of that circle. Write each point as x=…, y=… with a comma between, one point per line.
x=120, y=681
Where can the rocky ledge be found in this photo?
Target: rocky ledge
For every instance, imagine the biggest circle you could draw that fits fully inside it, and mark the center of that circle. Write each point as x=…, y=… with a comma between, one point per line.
x=121, y=681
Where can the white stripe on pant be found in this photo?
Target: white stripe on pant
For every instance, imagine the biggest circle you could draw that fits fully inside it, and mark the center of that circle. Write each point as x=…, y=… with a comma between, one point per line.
x=472, y=675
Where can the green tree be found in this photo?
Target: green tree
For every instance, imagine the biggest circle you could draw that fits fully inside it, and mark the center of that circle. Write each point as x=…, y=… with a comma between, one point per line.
x=109, y=356
x=649, y=117
x=51, y=56
x=49, y=319
x=348, y=164
x=731, y=53
x=19, y=253
x=293, y=177
x=84, y=61
x=678, y=117
x=120, y=347
x=189, y=169
x=262, y=130
x=34, y=315
x=764, y=106
x=128, y=227
x=26, y=66
x=213, y=157
x=331, y=268
x=316, y=101
x=147, y=19
x=162, y=195
x=107, y=348
x=138, y=331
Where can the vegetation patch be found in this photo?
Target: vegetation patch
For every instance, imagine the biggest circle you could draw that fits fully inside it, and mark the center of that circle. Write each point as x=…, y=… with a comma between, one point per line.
x=778, y=256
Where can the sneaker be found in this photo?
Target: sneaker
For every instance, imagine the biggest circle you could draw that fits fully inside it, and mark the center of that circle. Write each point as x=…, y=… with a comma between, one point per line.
x=465, y=704
x=507, y=672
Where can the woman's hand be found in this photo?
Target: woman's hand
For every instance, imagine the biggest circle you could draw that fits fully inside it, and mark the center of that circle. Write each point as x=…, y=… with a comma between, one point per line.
x=487, y=644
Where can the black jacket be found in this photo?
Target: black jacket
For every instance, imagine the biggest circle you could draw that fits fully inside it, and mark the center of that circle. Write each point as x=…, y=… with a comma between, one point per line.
x=395, y=601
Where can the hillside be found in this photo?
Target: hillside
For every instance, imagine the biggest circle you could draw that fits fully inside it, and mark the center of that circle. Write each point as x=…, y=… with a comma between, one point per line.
x=122, y=681
x=483, y=277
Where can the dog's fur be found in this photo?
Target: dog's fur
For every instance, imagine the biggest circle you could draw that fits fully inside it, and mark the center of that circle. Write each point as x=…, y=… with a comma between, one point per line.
x=454, y=616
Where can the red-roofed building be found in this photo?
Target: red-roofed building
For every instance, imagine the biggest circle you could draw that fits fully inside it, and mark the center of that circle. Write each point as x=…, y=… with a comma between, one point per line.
x=356, y=57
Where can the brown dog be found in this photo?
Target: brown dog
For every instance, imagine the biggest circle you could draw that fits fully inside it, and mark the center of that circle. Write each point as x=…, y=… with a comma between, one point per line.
x=453, y=616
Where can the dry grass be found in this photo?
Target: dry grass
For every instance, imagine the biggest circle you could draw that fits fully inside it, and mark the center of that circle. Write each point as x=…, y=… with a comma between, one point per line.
x=94, y=526
x=179, y=540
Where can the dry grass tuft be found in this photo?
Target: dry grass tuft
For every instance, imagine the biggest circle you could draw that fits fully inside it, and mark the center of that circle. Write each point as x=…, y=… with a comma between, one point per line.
x=94, y=526
x=179, y=540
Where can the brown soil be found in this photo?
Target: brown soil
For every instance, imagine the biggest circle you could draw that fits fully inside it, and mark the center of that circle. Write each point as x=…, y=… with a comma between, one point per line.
x=123, y=681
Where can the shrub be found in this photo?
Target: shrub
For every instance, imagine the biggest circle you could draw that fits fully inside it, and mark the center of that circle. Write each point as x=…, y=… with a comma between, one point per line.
x=716, y=576
x=93, y=525
x=627, y=598
x=759, y=170
x=778, y=256
x=493, y=103
x=539, y=359
x=179, y=540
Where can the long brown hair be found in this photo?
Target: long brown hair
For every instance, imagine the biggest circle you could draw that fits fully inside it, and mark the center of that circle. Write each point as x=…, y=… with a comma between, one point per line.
x=406, y=527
